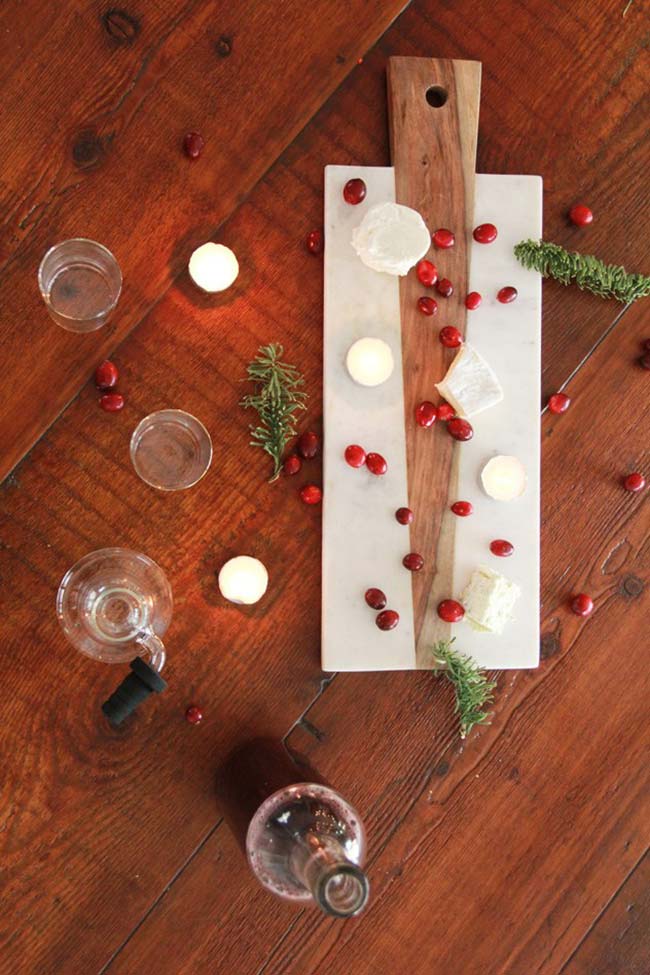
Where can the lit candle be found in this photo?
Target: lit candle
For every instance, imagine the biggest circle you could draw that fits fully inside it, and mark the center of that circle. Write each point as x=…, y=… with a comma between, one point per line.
x=370, y=362
x=504, y=478
x=213, y=267
x=243, y=580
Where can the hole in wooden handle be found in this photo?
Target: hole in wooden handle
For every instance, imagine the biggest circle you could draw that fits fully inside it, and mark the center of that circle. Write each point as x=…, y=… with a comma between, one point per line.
x=436, y=96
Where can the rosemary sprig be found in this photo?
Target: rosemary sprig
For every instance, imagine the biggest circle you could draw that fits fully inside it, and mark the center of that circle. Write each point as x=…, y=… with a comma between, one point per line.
x=276, y=398
x=472, y=688
x=588, y=272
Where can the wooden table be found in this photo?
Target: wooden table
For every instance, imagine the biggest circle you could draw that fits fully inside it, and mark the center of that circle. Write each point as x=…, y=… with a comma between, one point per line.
x=523, y=850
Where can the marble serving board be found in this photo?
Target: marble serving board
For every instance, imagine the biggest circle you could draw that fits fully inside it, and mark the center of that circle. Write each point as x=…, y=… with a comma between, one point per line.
x=363, y=544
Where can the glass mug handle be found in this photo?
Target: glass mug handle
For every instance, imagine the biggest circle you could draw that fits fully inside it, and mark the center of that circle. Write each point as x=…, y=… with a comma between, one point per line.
x=154, y=648
x=143, y=680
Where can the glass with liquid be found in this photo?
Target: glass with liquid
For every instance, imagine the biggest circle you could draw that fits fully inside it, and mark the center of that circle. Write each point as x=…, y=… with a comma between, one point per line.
x=80, y=282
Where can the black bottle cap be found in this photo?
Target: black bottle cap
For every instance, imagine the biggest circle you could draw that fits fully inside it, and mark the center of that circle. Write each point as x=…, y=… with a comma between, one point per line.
x=133, y=690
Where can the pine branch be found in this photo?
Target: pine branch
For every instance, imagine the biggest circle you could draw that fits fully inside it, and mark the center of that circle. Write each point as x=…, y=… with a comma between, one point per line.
x=276, y=398
x=472, y=688
x=588, y=272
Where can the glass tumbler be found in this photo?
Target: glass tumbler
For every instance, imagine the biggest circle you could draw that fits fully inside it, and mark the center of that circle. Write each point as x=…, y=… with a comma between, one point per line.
x=80, y=282
x=171, y=450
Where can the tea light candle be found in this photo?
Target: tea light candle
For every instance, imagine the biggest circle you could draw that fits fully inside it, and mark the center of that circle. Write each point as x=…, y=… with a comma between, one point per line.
x=370, y=362
x=213, y=267
x=243, y=580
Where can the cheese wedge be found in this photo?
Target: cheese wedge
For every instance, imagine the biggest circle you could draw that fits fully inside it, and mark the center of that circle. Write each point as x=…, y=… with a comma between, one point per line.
x=489, y=599
x=470, y=385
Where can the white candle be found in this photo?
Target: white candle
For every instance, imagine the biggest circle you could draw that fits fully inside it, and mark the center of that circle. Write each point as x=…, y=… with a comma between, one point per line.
x=213, y=267
x=504, y=478
x=370, y=362
x=243, y=580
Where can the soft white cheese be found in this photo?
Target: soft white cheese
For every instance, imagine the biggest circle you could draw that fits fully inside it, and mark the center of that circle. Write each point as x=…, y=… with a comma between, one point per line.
x=489, y=599
x=470, y=385
x=504, y=478
x=391, y=238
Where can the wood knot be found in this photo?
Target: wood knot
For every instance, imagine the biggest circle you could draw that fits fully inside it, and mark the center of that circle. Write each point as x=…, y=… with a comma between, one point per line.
x=120, y=26
x=632, y=587
x=87, y=149
x=223, y=47
x=441, y=769
x=340, y=58
x=549, y=645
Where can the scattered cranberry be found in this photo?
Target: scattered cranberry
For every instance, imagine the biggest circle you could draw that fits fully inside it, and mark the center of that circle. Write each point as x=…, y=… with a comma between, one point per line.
x=308, y=444
x=311, y=494
x=376, y=464
x=450, y=611
x=473, y=300
x=644, y=361
x=450, y=337
x=582, y=604
x=507, y=294
x=387, y=619
x=427, y=305
x=559, y=403
x=413, y=562
x=443, y=238
x=445, y=288
x=375, y=598
x=404, y=516
x=292, y=464
x=580, y=215
x=314, y=241
x=354, y=191
x=111, y=402
x=426, y=414
x=485, y=233
x=427, y=273
x=193, y=145
x=194, y=714
x=446, y=412
x=355, y=455
x=462, y=508
x=460, y=429
x=106, y=375
x=634, y=482
x=501, y=547
x=646, y=345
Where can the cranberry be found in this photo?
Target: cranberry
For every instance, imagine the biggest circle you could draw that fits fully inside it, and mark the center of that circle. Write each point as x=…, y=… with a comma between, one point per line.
x=582, y=604
x=443, y=238
x=292, y=464
x=314, y=241
x=404, y=516
x=354, y=191
x=311, y=494
x=450, y=337
x=427, y=305
x=106, y=375
x=308, y=444
x=446, y=412
x=355, y=455
x=507, y=294
x=426, y=414
x=646, y=345
x=445, y=288
x=193, y=145
x=375, y=598
x=413, y=562
x=387, y=619
x=111, y=402
x=559, y=403
x=450, y=611
x=427, y=273
x=460, y=429
x=501, y=547
x=634, y=482
x=376, y=464
x=485, y=233
x=473, y=300
x=194, y=714
x=462, y=508
x=580, y=215
x=644, y=361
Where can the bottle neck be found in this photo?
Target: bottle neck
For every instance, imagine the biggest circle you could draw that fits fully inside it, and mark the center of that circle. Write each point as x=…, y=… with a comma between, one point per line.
x=338, y=885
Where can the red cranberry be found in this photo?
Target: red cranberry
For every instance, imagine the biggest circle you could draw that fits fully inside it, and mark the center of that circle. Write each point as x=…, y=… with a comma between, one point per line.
x=501, y=547
x=634, y=482
x=426, y=414
x=375, y=598
x=387, y=619
x=473, y=300
x=111, y=402
x=446, y=412
x=507, y=294
x=308, y=444
x=646, y=345
x=354, y=191
x=460, y=429
x=427, y=305
x=194, y=714
x=376, y=464
x=485, y=233
x=462, y=508
x=355, y=455
x=413, y=562
x=106, y=375
x=582, y=604
x=427, y=273
x=580, y=215
x=314, y=241
x=292, y=464
x=559, y=403
x=193, y=145
x=443, y=238
x=450, y=337
x=404, y=516
x=450, y=611
x=445, y=288
x=311, y=494
x=644, y=361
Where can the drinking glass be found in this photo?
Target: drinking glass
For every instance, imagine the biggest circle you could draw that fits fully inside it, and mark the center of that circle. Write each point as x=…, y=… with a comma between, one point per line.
x=171, y=450
x=80, y=282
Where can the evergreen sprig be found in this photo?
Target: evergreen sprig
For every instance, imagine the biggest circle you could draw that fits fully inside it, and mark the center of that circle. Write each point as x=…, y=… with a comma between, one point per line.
x=472, y=688
x=277, y=397
x=588, y=272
